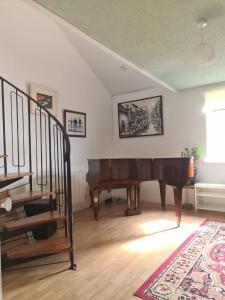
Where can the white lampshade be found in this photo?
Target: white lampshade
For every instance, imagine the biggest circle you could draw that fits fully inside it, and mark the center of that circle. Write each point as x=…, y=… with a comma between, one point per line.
x=203, y=54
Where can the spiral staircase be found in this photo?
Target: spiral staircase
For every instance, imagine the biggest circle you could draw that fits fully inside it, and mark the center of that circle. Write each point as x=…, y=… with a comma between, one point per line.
x=35, y=173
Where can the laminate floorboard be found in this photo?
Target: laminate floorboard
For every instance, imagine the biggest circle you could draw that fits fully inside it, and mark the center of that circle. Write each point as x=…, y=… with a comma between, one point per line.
x=114, y=256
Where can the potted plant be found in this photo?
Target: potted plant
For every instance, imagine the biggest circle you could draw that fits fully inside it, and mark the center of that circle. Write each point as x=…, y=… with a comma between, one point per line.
x=196, y=152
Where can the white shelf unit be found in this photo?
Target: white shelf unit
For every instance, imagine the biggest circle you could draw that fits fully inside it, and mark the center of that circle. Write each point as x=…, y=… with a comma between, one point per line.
x=212, y=192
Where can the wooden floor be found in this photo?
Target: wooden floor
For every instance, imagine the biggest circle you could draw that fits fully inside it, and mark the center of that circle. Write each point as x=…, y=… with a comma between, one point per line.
x=114, y=255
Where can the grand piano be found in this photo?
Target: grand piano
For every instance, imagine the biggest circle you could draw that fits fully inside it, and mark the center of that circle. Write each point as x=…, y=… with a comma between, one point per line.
x=107, y=174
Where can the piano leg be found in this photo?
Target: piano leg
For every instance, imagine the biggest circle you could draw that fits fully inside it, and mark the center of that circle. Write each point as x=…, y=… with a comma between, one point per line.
x=96, y=203
x=178, y=201
x=162, y=187
x=128, y=210
x=137, y=196
x=91, y=197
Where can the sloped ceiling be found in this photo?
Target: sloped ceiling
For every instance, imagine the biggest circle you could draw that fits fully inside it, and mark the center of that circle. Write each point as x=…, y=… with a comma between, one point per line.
x=157, y=36
x=117, y=74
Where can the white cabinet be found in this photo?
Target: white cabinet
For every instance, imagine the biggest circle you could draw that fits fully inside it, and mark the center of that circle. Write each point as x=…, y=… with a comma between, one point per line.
x=209, y=196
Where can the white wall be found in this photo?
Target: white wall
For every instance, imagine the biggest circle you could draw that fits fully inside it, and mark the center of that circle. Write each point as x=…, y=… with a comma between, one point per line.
x=33, y=49
x=184, y=126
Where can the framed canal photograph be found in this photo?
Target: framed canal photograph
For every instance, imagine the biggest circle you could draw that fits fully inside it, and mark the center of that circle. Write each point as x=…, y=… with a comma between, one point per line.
x=74, y=123
x=45, y=96
x=141, y=117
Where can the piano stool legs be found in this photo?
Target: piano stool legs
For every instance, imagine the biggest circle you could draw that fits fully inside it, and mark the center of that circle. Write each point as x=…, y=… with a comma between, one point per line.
x=133, y=200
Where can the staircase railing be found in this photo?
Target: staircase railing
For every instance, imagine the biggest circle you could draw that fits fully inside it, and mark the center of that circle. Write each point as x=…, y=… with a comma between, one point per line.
x=34, y=141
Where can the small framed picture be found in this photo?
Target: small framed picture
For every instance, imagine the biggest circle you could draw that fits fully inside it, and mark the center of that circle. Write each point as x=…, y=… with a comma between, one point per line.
x=74, y=123
x=45, y=96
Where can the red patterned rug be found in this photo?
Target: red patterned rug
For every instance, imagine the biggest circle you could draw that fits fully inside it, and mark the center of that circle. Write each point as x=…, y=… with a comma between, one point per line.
x=195, y=271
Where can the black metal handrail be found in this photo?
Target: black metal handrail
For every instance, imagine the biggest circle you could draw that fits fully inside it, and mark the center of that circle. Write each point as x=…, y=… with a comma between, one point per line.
x=55, y=132
x=67, y=152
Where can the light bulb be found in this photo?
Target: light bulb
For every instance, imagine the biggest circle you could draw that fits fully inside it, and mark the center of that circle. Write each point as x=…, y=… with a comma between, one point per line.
x=203, y=54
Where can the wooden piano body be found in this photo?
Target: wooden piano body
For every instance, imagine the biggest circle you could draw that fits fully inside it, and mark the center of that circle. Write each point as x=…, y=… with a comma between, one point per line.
x=107, y=174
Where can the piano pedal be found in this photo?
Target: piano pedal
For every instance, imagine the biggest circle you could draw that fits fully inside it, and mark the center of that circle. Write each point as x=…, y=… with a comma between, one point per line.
x=129, y=212
x=120, y=200
x=116, y=200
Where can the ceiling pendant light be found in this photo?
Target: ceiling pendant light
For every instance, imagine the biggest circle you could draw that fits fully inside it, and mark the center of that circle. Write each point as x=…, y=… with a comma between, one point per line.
x=204, y=52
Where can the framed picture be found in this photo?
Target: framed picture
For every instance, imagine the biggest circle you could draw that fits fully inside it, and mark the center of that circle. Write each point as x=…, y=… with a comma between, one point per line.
x=141, y=117
x=45, y=96
x=74, y=123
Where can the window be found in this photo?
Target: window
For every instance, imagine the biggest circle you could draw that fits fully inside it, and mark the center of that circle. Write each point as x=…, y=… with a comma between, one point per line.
x=215, y=126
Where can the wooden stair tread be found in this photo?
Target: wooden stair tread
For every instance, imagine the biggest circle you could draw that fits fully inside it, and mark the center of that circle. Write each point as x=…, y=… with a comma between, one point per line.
x=59, y=191
x=39, y=248
x=4, y=195
x=39, y=219
x=11, y=176
x=29, y=196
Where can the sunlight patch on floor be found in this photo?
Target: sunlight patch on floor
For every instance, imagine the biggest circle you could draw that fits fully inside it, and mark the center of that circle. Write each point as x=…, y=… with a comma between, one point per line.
x=150, y=243
x=157, y=226
x=162, y=233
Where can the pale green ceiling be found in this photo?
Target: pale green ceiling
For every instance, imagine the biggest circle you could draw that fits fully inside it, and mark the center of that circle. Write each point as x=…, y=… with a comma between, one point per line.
x=156, y=35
